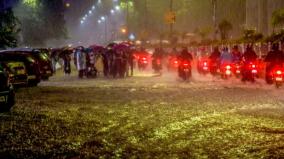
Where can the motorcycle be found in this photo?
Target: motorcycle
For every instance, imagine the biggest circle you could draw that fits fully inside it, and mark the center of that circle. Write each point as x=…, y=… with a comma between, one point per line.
x=203, y=67
x=157, y=65
x=185, y=70
x=214, y=68
x=250, y=72
x=237, y=70
x=173, y=63
x=142, y=63
x=226, y=71
x=278, y=77
x=275, y=76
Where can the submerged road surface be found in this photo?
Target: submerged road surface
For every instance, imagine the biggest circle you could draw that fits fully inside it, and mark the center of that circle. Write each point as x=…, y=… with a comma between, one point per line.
x=145, y=116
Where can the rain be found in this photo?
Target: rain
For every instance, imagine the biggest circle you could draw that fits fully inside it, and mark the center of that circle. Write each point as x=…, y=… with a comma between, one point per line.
x=141, y=79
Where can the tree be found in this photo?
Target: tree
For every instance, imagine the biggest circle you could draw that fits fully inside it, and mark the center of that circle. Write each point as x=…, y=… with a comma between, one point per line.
x=8, y=29
x=203, y=32
x=41, y=20
x=251, y=36
x=224, y=28
x=278, y=18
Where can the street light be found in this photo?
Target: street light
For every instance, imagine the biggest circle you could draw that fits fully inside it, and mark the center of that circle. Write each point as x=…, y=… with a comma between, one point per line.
x=117, y=8
x=103, y=19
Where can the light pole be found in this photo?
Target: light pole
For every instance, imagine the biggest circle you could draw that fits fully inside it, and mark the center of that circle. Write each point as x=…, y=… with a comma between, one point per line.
x=103, y=19
x=214, y=3
x=127, y=17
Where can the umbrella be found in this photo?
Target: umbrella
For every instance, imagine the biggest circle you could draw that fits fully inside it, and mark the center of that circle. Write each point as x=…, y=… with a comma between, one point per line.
x=121, y=47
x=97, y=48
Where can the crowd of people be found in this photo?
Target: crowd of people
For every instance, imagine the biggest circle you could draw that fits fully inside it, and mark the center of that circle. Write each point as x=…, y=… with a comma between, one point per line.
x=115, y=60
x=119, y=60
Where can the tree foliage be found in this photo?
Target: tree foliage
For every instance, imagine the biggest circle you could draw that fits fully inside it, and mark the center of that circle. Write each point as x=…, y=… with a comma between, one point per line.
x=251, y=36
x=42, y=21
x=278, y=18
x=224, y=28
x=8, y=29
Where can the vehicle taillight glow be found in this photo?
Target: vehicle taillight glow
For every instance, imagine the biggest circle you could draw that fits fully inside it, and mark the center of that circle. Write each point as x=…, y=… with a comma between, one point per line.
x=228, y=67
x=205, y=63
x=185, y=64
x=253, y=66
x=176, y=62
x=228, y=72
x=254, y=71
x=278, y=72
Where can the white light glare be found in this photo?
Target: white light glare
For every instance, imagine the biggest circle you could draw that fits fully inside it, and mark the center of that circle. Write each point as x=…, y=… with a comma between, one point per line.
x=117, y=8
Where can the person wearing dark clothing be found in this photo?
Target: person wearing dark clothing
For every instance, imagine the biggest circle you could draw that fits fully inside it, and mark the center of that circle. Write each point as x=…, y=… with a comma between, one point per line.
x=273, y=59
x=185, y=55
x=157, y=58
x=249, y=58
x=215, y=60
x=131, y=59
x=215, y=55
x=108, y=61
x=237, y=55
x=249, y=55
x=66, y=62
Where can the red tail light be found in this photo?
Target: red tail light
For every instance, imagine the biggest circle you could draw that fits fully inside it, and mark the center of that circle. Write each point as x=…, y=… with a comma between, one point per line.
x=185, y=64
x=144, y=58
x=175, y=62
x=205, y=63
x=254, y=71
x=228, y=67
x=278, y=72
x=158, y=62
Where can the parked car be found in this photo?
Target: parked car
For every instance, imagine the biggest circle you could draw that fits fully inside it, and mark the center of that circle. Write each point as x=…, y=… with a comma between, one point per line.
x=42, y=58
x=17, y=73
x=44, y=62
x=7, y=94
x=30, y=62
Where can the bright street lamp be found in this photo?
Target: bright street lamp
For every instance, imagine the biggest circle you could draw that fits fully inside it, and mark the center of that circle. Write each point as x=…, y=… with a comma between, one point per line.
x=117, y=8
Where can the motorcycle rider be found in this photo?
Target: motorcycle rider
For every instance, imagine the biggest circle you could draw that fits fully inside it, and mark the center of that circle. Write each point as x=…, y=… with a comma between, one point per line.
x=214, y=60
x=157, y=55
x=237, y=55
x=274, y=58
x=226, y=57
x=185, y=55
x=248, y=57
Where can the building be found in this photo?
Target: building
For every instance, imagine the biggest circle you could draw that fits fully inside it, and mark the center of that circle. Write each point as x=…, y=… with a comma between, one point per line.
x=259, y=13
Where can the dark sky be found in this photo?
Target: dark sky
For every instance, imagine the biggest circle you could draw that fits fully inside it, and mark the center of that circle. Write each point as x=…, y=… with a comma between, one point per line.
x=7, y=4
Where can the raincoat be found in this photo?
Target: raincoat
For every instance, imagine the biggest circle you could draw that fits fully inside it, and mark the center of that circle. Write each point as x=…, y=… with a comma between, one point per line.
x=80, y=60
